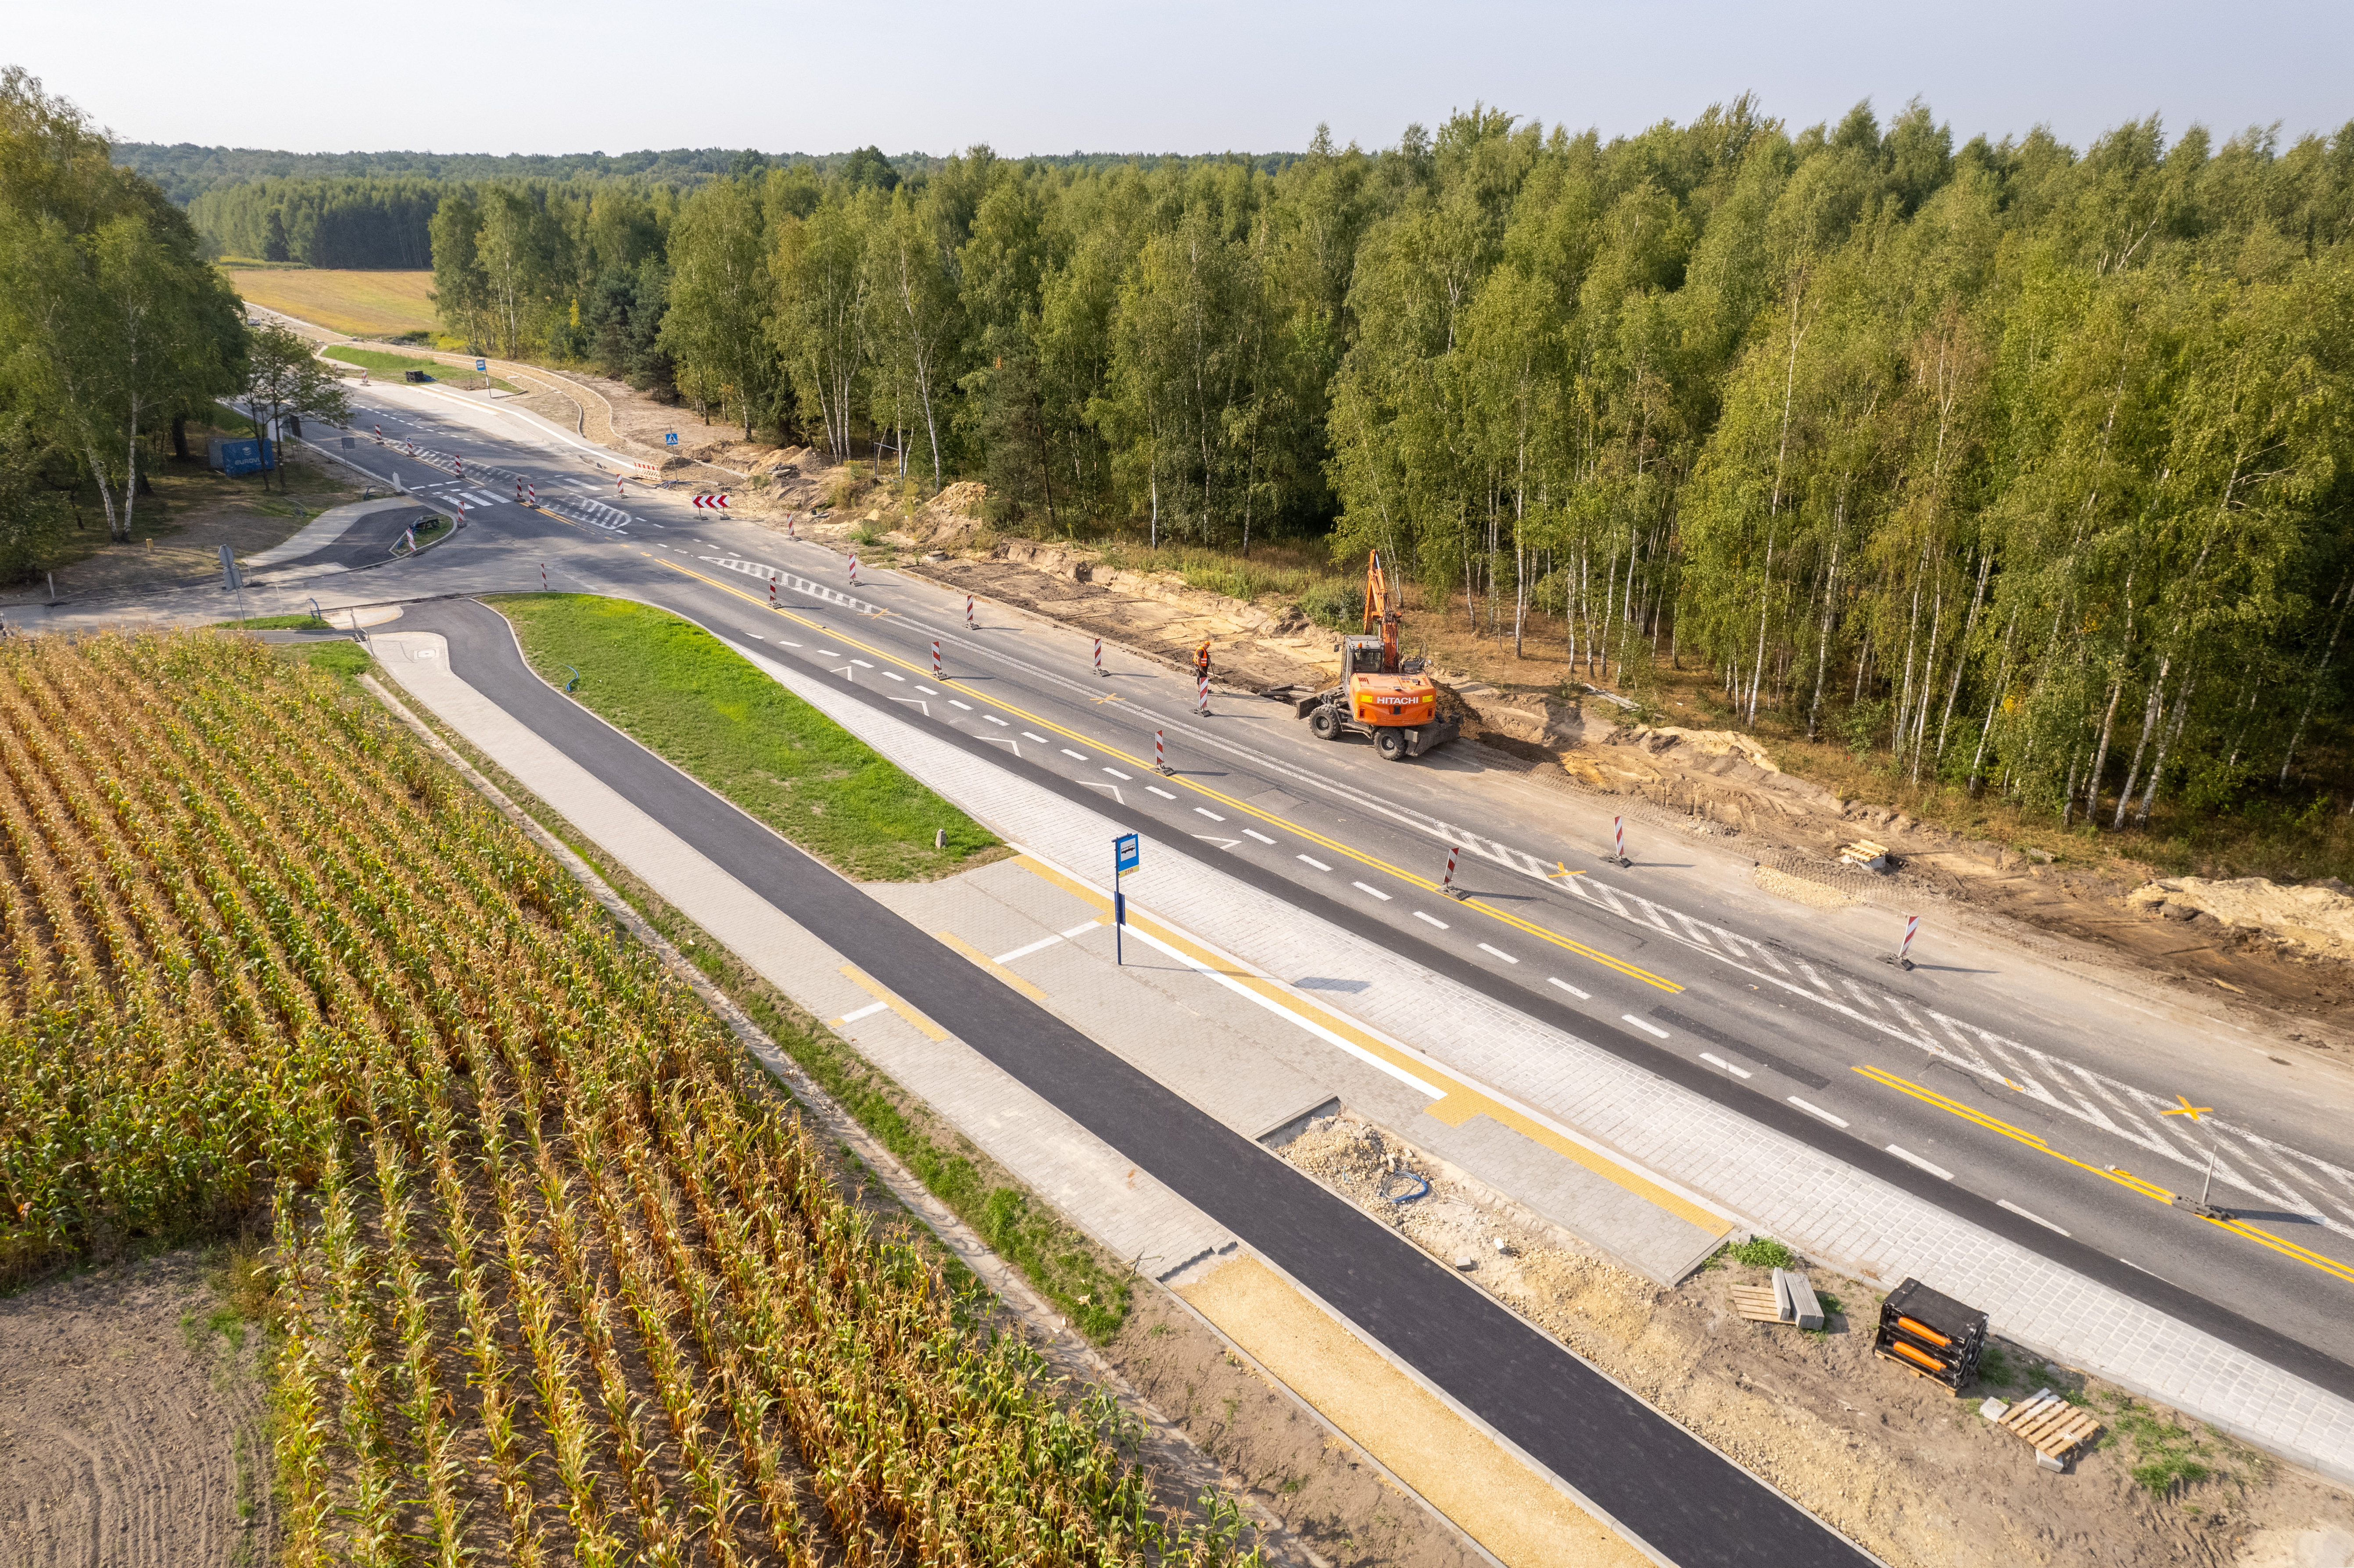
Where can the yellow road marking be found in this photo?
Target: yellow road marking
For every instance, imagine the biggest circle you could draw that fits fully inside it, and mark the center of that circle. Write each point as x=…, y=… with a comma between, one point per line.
x=1460, y=1102
x=2126, y=1178
x=1230, y=803
x=992, y=965
x=889, y=998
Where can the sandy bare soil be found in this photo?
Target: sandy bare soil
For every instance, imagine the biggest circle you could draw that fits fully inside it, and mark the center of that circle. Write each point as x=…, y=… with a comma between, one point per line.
x=1283, y=1460
x=1899, y=1464
x=131, y=1430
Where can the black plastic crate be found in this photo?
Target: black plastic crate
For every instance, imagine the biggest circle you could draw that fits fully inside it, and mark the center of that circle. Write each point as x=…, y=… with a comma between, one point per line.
x=1929, y=1332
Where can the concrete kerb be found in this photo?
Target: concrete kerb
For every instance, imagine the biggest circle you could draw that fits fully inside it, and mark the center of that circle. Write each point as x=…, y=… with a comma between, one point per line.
x=836, y=1123
x=1833, y=1211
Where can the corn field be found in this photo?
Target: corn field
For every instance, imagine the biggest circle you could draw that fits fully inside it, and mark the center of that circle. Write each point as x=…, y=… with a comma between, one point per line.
x=559, y=1277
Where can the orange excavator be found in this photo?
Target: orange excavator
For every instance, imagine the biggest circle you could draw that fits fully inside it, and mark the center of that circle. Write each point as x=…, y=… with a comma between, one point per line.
x=1383, y=695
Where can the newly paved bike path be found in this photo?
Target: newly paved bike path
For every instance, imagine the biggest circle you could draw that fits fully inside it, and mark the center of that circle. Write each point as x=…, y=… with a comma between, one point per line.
x=1685, y=1502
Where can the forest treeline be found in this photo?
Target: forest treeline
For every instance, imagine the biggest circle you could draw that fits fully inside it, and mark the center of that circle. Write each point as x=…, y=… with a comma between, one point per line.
x=116, y=334
x=2020, y=465
x=2014, y=464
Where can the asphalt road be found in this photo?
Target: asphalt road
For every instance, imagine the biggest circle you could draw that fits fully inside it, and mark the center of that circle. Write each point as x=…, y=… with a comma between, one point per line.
x=1963, y=1080
x=1683, y=1498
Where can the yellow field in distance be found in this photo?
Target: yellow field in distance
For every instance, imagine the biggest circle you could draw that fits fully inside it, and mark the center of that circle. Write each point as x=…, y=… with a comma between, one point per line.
x=365, y=304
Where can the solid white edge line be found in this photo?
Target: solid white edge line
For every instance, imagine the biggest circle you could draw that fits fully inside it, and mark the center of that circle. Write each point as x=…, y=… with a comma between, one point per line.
x=2024, y=1214
x=869, y=1011
x=1647, y=1028
x=1026, y=951
x=1499, y=952
x=1310, y=1024
x=1816, y=1110
x=1432, y=918
x=1716, y=1061
x=1363, y=888
x=1581, y=995
x=1910, y=1158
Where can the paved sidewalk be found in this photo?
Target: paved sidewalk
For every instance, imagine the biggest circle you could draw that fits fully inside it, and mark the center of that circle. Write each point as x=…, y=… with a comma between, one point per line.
x=1262, y=1058
x=1827, y=1209
x=1131, y=1213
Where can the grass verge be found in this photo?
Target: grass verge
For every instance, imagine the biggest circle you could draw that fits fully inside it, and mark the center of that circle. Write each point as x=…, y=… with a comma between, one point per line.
x=1087, y=1284
x=380, y=362
x=682, y=693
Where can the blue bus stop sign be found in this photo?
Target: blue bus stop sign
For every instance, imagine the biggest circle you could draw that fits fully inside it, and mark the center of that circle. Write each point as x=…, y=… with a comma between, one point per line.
x=1127, y=854
x=481, y=365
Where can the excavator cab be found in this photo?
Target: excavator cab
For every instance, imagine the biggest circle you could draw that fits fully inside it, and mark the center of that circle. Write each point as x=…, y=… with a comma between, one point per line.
x=1362, y=656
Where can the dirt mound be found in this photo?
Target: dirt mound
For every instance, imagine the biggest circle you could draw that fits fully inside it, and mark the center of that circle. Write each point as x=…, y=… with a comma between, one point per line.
x=2318, y=916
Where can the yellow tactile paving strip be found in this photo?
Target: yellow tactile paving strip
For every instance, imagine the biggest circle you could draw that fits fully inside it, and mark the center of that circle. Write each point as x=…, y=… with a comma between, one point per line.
x=1460, y=1101
x=1489, y=1492
x=884, y=994
x=984, y=961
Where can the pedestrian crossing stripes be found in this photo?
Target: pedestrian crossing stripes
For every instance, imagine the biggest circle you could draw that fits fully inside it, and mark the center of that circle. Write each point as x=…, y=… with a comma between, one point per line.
x=2255, y=1165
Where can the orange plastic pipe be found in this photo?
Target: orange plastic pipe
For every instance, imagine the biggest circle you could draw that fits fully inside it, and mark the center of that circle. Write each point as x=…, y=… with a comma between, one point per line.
x=1902, y=1349
x=1923, y=1329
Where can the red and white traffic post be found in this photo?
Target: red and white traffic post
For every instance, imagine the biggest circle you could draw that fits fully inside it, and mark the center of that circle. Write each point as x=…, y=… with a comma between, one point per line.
x=970, y=624
x=936, y=659
x=1617, y=855
x=854, y=568
x=530, y=494
x=1161, y=754
x=1905, y=948
x=543, y=577
x=461, y=465
x=518, y=493
x=772, y=593
x=1448, y=885
x=788, y=527
x=379, y=435
x=1205, y=696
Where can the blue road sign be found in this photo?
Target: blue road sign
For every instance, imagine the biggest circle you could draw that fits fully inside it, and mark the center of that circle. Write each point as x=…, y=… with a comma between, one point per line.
x=481, y=365
x=669, y=437
x=1128, y=851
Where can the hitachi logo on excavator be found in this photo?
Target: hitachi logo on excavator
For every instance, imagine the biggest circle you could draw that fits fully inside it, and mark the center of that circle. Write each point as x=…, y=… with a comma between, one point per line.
x=1405, y=699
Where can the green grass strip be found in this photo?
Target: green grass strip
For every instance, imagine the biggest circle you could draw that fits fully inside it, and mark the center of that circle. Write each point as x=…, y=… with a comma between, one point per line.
x=682, y=693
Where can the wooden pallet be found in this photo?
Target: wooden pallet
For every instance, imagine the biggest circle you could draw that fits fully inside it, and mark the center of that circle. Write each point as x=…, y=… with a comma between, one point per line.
x=1755, y=1302
x=2049, y=1423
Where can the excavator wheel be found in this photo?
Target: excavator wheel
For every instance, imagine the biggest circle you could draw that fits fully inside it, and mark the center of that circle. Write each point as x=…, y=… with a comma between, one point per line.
x=1391, y=743
x=1322, y=725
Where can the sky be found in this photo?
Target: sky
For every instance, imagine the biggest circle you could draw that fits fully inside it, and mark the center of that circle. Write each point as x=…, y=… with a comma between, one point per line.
x=1051, y=76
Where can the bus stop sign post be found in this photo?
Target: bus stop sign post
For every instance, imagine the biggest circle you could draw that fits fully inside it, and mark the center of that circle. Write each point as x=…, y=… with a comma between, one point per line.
x=1126, y=852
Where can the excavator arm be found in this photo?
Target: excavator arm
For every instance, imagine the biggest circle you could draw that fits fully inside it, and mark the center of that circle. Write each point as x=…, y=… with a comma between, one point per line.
x=1382, y=609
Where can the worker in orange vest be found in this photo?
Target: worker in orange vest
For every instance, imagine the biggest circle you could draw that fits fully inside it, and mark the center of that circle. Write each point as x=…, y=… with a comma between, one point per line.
x=1202, y=660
